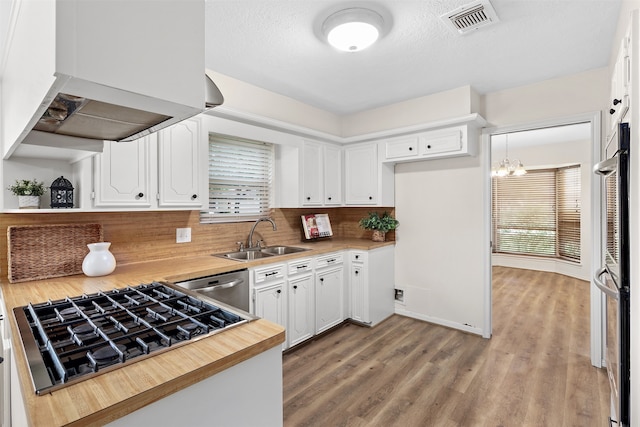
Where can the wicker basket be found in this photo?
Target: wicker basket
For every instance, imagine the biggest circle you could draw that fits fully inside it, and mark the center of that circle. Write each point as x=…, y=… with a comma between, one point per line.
x=38, y=252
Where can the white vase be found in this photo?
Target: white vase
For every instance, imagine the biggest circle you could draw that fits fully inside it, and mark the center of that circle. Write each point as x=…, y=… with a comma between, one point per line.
x=99, y=261
x=29, y=202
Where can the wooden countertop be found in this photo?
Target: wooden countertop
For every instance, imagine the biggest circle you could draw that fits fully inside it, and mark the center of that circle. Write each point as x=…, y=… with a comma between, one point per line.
x=107, y=397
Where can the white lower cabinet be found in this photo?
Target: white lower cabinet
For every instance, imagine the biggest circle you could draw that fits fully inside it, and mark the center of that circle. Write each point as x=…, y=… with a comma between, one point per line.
x=371, y=279
x=301, y=322
x=308, y=296
x=329, y=291
x=270, y=302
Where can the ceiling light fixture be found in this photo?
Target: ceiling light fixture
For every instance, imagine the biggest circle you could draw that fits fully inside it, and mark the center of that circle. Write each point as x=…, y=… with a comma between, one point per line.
x=353, y=29
x=508, y=167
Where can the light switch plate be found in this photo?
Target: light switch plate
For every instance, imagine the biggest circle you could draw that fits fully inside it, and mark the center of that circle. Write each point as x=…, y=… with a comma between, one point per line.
x=183, y=235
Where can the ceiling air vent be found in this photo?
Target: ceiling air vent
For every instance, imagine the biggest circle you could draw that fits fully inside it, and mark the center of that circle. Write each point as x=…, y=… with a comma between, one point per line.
x=470, y=17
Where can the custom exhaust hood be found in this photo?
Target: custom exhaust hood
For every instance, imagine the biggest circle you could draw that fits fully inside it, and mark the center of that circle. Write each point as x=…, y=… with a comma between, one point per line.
x=123, y=116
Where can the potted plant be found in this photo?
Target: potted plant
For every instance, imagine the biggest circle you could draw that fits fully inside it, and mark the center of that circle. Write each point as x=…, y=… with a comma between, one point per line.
x=379, y=224
x=28, y=193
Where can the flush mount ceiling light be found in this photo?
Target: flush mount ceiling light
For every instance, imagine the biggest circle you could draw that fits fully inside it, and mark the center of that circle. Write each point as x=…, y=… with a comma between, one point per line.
x=353, y=29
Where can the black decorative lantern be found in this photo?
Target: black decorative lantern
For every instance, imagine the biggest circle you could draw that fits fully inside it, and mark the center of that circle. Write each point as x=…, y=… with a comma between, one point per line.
x=61, y=193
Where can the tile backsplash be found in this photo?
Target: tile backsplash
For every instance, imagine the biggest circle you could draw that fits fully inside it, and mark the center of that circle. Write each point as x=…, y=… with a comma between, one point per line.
x=151, y=235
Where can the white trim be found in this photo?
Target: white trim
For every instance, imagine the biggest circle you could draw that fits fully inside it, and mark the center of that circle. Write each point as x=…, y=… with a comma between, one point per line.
x=278, y=125
x=439, y=321
x=486, y=209
x=597, y=300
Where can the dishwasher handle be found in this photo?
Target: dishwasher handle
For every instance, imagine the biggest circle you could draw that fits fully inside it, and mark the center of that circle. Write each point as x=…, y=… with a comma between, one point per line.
x=217, y=286
x=602, y=286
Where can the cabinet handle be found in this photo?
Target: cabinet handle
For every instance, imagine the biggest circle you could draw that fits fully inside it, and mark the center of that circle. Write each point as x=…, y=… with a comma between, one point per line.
x=617, y=101
x=279, y=291
x=301, y=266
x=370, y=197
x=322, y=279
x=295, y=286
x=357, y=256
x=195, y=196
x=271, y=274
x=612, y=111
x=429, y=146
x=331, y=260
x=410, y=148
x=308, y=198
x=356, y=272
x=329, y=198
x=140, y=195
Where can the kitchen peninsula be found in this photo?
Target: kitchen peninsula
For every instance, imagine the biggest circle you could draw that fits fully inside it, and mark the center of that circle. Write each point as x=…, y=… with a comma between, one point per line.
x=250, y=354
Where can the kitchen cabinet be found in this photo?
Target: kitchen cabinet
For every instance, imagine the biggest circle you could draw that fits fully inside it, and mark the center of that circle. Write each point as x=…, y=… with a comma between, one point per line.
x=321, y=175
x=269, y=294
x=368, y=182
x=442, y=143
x=620, y=78
x=301, y=316
x=329, y=286
x=122, y=174
x=371, y=281
x=178, y=165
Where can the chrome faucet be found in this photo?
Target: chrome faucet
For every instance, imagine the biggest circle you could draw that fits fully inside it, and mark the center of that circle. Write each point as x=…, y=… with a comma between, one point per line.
x=250, y=239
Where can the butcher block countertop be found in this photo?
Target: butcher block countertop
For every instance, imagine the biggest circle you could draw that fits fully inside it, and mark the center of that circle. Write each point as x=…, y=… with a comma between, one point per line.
x=104, y=398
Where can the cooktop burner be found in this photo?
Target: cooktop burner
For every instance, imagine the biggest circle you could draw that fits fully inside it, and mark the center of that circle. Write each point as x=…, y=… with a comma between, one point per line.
x=72, y=339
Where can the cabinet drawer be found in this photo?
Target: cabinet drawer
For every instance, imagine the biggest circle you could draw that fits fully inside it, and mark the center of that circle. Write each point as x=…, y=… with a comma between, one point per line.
x=358, y=256
x=405, y=147
x=441, y=142
x=329, y=260
x=300, y=266
x=269, y=272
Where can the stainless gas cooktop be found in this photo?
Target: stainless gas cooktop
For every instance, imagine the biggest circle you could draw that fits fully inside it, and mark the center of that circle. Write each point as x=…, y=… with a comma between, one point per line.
x=73, y=339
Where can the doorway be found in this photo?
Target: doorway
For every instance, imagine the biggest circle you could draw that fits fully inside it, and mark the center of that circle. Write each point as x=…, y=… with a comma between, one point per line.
x=545, y=146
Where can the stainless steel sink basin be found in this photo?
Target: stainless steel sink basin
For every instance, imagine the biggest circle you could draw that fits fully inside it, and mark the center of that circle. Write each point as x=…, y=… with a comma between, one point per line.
x=263, y=253
x=283, y=250
x=245, y=255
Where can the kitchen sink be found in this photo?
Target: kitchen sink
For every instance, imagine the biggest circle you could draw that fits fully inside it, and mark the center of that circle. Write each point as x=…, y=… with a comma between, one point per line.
x=263, y=253
x=283, y=250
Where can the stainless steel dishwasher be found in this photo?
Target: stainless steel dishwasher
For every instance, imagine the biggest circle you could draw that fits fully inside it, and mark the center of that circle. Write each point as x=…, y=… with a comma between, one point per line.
x=231, y=288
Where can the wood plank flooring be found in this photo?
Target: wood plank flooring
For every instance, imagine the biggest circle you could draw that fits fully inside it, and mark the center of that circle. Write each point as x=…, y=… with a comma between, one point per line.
x=534, y=371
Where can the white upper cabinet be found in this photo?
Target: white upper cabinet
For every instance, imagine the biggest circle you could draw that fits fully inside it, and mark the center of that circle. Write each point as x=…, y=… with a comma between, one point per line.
x=135, y=53
x=178, y=165
x=312, y=174
x=442, y=143
x=122, y=174
x=332, y=175
x=367, y=180
x=619, y=102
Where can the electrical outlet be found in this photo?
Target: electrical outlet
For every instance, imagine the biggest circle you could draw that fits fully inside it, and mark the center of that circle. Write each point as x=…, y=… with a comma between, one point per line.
x=183, y=235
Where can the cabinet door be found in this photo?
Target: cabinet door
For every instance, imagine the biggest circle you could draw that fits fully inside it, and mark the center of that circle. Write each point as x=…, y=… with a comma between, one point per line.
x=361, y=175
x=301, y=309
x=619, y=86
x=270, y=304
x=178, y=165
x=359, y=293
x=329, y=299
x=312, y=176
x=123, y=172
x=332, y=175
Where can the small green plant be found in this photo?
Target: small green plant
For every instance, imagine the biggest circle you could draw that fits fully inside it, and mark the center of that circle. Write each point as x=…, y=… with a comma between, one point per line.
x=24, y=187
x=382, y=223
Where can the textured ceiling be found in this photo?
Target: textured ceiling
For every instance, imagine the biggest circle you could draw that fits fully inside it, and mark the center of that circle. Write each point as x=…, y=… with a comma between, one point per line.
x=273, y=44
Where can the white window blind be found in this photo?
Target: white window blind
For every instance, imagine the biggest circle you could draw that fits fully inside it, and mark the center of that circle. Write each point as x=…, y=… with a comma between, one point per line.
x=240, y=179
x=538, y=213
x=568, y=185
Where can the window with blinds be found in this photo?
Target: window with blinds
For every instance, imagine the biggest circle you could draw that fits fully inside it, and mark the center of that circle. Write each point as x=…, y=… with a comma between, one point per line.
x=240, y=179
x=538, y=213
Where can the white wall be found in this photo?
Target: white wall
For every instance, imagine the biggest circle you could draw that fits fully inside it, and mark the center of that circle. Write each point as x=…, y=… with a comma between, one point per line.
x=540, y=156
x=440, y=241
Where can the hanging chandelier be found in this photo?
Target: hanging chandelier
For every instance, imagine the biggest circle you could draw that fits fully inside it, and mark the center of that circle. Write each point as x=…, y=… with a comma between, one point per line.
x=508, y=167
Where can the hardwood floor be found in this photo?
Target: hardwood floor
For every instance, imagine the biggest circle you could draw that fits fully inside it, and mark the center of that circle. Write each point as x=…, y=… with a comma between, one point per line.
x=534, y=371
